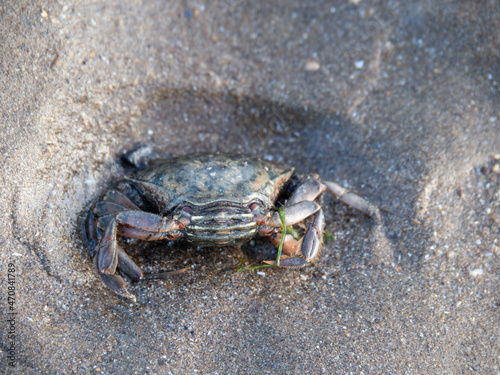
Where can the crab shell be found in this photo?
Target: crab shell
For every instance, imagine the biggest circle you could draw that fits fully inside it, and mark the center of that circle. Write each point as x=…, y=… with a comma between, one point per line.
x=218, y=190
x=207, y=179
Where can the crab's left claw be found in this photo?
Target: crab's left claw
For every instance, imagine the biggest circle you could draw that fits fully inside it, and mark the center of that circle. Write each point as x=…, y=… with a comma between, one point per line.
x=311, y=245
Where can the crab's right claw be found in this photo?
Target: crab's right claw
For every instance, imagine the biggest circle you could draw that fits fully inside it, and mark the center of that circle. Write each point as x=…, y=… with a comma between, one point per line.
x=117, y=285
x=109, y=256
x=114, y=281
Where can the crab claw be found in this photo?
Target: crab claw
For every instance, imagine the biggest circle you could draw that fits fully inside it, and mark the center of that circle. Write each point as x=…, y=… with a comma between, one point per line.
x=109, y=256
x=295, y=213
x=307, y=191
x=313, y=238
x=117, y=285
x=311, y=245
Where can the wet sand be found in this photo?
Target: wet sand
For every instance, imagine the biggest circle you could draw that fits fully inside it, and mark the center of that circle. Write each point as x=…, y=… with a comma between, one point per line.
x=398, y=102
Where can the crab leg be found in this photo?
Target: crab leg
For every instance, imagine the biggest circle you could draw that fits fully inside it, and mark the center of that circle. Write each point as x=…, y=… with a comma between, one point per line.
x=383, y=250
x=121, y=199
x=295, y=213
x=351, y=199
x=147, y=226
x=147, y=222
x=117, y=285
x=113, y=203
x=90, y=230
x=140, y=234
x=307, y=191
x=107, y=253
x=128, y=266
x=131, y=223
x=300, y=252
x=105, y=208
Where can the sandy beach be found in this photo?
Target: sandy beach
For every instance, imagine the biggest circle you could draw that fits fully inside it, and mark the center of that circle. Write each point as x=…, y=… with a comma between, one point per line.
x=398, y=101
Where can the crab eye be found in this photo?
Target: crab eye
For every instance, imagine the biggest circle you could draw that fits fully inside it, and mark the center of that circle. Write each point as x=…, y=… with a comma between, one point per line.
x=187, y=209
x=253, y=206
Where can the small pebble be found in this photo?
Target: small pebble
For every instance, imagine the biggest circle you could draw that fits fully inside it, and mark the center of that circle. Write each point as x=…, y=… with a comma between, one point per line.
x=312, y=66
x=475, y=273
x=359, y=64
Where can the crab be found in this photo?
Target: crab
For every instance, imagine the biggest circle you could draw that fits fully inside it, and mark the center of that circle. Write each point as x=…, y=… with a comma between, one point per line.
x=211, y=200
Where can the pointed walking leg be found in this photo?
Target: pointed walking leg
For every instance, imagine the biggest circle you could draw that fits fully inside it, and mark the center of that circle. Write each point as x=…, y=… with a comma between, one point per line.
x=351, y=199
x=383, y=249
x=117, y=197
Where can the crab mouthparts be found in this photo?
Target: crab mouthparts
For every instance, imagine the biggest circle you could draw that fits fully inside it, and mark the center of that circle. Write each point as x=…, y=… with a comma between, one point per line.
x=221, y=225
